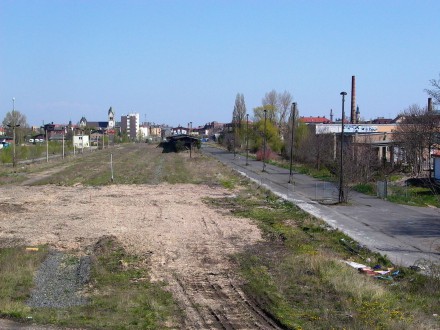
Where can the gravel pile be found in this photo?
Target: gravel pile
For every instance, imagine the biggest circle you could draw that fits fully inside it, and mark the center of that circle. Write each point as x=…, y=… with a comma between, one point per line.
x=59, y=281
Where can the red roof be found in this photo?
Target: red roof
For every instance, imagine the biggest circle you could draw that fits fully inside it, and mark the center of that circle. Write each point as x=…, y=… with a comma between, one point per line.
x=314, y=120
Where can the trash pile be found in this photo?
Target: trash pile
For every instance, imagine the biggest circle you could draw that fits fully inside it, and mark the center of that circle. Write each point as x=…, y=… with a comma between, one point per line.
x=377, y=271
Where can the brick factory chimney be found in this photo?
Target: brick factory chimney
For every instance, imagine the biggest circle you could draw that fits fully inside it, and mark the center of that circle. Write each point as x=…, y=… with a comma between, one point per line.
x=353, y=100
x=429, y=104
x=331, y=115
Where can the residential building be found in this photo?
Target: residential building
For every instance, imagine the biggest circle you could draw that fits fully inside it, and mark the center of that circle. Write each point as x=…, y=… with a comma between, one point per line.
x=314, y=120
x=179, y=130
x=155, y=130
x=166, y=131
x=382, y=120
x=81, y=141
x=144, y=131
x=130, y=125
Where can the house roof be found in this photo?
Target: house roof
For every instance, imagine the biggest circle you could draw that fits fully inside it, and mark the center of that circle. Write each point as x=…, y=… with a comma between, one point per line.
x=382, y=121
x=184, y=137
x=314, y=120
x=100, y=124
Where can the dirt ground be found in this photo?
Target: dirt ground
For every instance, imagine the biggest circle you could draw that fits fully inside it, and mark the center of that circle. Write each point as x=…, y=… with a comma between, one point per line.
x=186, y=242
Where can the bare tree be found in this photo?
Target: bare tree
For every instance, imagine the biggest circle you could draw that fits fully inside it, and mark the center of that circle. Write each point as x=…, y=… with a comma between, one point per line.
x=435, y=91
x=279, y=105
x=285, y=101
x=17, y=119
x=270, y=101
x=365, y=159
x=416, y=134
x=239, y=109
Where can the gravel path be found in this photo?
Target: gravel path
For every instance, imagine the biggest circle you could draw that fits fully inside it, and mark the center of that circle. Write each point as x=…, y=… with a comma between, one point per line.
x=59, y=281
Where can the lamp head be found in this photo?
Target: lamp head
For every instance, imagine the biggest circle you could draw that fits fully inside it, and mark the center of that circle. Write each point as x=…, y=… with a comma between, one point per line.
x=344, y=93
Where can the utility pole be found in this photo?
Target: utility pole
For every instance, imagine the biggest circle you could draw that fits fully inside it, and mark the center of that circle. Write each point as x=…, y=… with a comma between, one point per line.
x=247, y=139
x=264, y=141
x=233, y=133
x=47, y=144
x=190, y=140
x=64, y=131
x=13, y=125
x=293, y=113
x=342, y=197
x=73, y=140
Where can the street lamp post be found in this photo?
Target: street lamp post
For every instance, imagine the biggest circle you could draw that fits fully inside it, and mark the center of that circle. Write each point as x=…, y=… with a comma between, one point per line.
x=73, y=140
x=247, y=139
x=47, y=144
x=13, y=125
x=64, y=131
x=292, y=139
x=342, y=197
x=264, y=141
x=190, y=140
x=233, y=133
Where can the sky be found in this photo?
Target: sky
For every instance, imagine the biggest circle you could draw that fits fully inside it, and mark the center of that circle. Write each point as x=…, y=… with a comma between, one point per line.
x=176, y=62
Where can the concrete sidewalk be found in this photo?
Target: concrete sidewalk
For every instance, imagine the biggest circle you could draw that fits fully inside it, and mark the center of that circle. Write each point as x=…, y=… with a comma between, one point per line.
x=405, y=234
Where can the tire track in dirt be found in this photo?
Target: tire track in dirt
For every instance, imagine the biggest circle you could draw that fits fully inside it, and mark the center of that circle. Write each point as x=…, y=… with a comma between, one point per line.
x=36, y=177
x=186, y=244
x=209, y=294
x=224, y=305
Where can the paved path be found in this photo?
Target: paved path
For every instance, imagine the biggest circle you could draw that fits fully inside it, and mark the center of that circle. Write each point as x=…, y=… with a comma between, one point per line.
x=406, y=234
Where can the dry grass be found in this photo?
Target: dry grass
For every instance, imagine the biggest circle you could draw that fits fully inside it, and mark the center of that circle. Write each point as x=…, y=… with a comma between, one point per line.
x=298, y=275
x=295, y=275
x=16, y=279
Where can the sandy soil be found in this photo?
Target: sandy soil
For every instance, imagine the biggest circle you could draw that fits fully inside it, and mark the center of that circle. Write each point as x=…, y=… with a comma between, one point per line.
x=186, y=242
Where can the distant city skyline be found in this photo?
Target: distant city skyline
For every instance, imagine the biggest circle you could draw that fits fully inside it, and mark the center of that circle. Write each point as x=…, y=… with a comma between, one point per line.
x=175, y=62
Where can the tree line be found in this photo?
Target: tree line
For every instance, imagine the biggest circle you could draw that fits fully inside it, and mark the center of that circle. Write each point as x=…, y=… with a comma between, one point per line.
x=417, y=133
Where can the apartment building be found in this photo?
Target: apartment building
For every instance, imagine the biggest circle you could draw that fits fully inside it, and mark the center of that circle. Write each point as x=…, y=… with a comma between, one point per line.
x=130, y=125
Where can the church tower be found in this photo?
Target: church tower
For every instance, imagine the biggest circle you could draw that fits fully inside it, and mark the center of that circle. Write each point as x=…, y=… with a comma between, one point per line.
x=111, y=118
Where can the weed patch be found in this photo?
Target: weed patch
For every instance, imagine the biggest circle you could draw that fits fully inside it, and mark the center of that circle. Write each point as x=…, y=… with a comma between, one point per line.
x=298, y=276
x=16, y=278
x=119, y=292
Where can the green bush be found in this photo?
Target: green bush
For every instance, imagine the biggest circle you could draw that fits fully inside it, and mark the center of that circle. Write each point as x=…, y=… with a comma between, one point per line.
x=365, y=188
x=6, y=155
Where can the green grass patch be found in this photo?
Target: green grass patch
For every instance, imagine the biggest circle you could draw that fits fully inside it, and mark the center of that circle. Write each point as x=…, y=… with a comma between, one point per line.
x=416, y=196
x=322, y=174
x=365, y=188
x=120, y=292
x=406, y=195
x=297, y=274
x=139, y=164
x=17, y=268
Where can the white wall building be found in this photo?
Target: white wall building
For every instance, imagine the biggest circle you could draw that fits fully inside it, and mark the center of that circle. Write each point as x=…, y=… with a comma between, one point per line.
x=81, y=141
x=144, y=131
